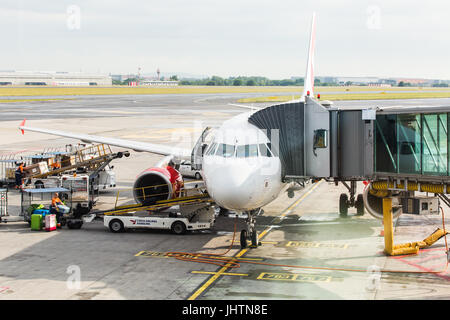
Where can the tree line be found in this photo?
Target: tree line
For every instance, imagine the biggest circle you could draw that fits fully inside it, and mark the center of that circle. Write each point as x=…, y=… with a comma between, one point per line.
x=246, y=81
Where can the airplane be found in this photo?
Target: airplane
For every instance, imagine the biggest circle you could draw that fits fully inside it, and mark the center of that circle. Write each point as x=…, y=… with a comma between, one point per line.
x=240, y=168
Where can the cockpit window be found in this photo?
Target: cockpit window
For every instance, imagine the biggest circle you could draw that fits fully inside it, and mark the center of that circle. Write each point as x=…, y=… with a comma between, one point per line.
x=247, y=151
x=264, y=150
x=253, y=150
x=242, y=151
x=225, y=150
x=212, y=149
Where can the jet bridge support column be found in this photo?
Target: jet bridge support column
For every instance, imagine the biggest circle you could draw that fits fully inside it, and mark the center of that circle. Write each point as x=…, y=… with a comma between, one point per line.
x=406, y=248
x=389, y=247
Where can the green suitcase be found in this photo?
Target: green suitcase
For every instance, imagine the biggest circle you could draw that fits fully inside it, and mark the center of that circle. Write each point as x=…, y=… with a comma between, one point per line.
x=36, y=222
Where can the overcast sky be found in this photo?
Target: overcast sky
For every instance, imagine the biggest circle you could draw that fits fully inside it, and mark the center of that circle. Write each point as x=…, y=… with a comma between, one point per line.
x=228, y=38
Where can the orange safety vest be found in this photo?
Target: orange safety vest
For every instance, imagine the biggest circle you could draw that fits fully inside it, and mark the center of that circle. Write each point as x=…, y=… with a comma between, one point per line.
x=55, y=201
x=56, y=165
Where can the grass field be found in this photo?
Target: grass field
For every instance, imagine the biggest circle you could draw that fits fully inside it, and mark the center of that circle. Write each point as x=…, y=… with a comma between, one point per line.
x=327, y=93
x=124, y=90
x=32, y=100
x=356, y=96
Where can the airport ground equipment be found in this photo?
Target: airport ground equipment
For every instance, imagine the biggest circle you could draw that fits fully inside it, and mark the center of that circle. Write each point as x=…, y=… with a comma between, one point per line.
x=8, y=166
x=84, y=193
x=41, y=196
x=89, y=171
x=3, y=203
x=93, y=158
x=185, y=213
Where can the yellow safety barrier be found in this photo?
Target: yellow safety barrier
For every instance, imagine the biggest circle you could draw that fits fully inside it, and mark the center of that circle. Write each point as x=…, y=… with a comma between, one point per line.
x=406, y=248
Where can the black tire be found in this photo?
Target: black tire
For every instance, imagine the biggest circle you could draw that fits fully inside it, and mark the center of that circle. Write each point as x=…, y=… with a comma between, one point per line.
x=116, y=226
x=359, y=204
x=39, y=184
x=343, y=204
x=243, y=239
x=254, y=238
x=198, y=176
x=178, y=228
x=74, y=225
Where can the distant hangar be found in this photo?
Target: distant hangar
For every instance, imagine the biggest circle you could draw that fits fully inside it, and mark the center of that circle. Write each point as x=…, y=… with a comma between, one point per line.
x=44, y=78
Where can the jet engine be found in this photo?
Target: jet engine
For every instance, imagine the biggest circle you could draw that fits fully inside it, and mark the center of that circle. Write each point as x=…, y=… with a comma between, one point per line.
x=154, y=184
x=373, y=202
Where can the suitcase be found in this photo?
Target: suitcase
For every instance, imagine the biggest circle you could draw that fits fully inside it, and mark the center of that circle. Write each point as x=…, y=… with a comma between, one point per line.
x=36, y=222
x=42, y=212
x=50, y=222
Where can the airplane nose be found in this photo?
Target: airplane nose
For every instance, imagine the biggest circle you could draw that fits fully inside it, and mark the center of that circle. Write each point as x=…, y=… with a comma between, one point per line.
x=230, y=187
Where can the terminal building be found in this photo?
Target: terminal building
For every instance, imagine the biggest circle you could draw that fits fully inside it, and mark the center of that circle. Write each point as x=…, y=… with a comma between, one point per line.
x=48, y=78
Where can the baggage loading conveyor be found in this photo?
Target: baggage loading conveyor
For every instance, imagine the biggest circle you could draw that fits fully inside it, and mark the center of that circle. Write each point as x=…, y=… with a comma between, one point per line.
x=192, y=213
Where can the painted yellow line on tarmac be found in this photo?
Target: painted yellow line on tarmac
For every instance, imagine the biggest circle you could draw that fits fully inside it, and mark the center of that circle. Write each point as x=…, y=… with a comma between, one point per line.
x=243, y=251
x=292, y=277
x=223, y=274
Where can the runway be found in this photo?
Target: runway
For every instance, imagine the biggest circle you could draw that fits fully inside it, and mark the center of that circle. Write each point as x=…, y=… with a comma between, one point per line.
x=170, y=104
x=303, y=231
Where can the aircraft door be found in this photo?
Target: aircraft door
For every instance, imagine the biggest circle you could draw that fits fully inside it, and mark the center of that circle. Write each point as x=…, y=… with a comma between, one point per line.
x=200, y=147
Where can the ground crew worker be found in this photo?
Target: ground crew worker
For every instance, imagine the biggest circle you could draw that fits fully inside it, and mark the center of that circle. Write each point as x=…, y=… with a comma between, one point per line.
x=54, y=208
x=175, y=178
x=19, y=176
x=56, y=165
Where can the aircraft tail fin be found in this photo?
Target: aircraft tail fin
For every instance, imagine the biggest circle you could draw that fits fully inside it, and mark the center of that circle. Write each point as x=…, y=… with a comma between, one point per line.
x=22, y=125
x=308, y=88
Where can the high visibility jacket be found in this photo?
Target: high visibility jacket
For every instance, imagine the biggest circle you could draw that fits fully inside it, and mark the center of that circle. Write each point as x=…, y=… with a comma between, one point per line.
x=56, y=201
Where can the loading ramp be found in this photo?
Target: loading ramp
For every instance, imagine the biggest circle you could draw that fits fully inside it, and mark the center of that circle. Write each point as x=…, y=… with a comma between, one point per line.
x=128, y=209
x=93, y=158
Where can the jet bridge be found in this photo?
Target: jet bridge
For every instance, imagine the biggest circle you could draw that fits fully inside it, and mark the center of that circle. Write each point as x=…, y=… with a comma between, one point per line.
x=400, y=150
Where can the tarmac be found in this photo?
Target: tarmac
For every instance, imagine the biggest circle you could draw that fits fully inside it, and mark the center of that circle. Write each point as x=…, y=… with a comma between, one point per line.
x=300, y=236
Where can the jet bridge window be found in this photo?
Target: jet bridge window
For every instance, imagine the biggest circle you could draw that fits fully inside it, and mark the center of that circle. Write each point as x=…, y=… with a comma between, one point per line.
x=247, y=151
x=412, y=143
x=225, y=150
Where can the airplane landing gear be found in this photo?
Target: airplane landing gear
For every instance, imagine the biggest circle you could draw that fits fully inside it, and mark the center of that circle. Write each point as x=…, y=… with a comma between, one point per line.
x=250, y=233
x=345, y=202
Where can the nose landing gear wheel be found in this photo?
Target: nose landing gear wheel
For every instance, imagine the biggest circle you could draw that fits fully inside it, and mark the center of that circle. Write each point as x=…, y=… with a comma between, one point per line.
x=343, y=205
x=243, y=239
x=254, y=238
x=359, y=204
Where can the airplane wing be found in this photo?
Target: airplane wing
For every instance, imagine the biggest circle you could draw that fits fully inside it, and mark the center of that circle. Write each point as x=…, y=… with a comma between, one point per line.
x=244, y=106
x=130, y=144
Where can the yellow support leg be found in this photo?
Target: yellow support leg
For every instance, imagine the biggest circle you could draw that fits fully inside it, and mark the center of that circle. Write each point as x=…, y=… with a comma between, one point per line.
x=389, y=247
